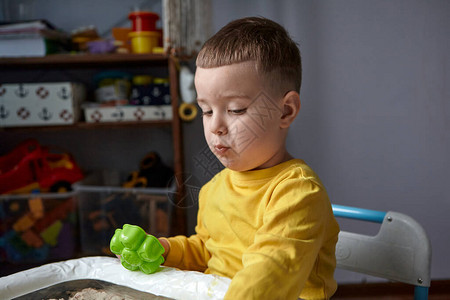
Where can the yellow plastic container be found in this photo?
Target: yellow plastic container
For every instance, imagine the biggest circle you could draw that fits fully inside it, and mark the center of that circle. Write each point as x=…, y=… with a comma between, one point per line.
x=143, y=41
x=142, y=79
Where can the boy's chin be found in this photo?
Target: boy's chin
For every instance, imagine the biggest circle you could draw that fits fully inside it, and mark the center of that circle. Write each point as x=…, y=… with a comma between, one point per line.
x=238, y=164
x=230, y=164
x=235, y=166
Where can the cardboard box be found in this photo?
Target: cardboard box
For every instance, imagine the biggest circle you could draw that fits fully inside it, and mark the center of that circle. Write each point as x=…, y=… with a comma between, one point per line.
x=105, y=206
x=40, y=104
x=133, y=113
x=38, y=227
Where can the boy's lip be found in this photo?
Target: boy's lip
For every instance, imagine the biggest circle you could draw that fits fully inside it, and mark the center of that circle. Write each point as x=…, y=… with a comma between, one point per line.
x=220, y=149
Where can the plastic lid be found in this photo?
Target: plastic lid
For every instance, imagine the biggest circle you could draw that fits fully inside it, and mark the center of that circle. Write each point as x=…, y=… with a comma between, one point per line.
x=158, y=50
x=111, y=75
x=142, y=79
x=160, y=80
x=144, y=33
x=143, y=14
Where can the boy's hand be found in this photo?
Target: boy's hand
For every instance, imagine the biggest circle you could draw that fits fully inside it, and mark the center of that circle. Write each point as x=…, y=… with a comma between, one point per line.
x=137, y=250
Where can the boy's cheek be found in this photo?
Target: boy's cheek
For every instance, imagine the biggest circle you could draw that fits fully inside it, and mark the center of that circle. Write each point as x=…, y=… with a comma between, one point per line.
x=248, y=128
x=242, y=132
x=206, y=128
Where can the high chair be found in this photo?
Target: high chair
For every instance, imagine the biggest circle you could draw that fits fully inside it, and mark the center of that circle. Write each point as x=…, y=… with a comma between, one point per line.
x=400, y=251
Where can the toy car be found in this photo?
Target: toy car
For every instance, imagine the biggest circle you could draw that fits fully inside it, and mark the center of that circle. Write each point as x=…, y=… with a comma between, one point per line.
x=37, y=169
x=10, y=160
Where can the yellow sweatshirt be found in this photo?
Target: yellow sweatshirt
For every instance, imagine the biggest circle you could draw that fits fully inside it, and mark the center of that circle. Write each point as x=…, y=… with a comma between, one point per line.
x=272, y=231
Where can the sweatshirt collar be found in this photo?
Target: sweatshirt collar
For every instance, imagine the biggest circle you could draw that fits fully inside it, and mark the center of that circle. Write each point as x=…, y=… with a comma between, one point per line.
x=262, y=174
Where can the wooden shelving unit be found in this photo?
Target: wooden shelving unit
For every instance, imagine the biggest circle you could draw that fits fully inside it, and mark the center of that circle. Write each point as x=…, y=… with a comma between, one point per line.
x=80, y=62
x=84, y=60
x=87, y=126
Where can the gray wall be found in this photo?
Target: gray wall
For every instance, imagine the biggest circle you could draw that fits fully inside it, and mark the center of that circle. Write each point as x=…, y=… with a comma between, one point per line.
x=375, y=118
x=375, y=111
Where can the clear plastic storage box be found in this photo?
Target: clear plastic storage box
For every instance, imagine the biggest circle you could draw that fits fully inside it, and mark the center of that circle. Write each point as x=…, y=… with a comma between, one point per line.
x=38, y=227
x=104, y=206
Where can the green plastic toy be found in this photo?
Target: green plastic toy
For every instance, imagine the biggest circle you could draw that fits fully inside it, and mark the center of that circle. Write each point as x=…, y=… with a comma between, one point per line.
x=137, y=249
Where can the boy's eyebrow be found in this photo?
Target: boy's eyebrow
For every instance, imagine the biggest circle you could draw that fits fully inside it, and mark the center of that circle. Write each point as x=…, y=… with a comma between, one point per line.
x=229, y=96
x=233, y=94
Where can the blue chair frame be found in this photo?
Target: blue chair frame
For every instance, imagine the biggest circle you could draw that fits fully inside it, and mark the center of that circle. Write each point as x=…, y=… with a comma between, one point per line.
x=401, y=250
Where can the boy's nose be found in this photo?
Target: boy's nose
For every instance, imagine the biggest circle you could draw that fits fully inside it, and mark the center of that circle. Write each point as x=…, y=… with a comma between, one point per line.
x=218, y=126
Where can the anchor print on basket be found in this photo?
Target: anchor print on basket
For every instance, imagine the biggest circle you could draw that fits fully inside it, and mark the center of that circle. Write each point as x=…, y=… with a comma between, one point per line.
x=4, y=113
x=21, y=91
x=40, y=104
x=45, y=114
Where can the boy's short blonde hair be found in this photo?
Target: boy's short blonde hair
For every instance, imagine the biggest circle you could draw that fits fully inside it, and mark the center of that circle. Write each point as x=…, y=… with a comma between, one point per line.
x=258, y=39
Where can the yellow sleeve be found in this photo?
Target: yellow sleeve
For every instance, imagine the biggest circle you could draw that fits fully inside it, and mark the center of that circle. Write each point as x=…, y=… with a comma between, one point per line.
x=285, y=250
x=190, y=253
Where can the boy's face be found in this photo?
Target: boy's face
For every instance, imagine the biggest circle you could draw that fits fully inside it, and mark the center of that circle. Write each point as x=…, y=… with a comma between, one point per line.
x=241, y=119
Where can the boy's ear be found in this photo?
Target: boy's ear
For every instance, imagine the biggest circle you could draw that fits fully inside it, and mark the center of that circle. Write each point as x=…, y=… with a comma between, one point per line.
x=291, y=107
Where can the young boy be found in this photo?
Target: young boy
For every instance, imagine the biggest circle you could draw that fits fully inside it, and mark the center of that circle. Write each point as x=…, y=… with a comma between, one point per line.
x=265, y=220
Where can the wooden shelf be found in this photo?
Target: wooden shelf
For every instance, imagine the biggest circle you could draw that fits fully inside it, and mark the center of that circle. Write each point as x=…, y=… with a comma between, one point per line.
x=83, y=60
x=84, y=125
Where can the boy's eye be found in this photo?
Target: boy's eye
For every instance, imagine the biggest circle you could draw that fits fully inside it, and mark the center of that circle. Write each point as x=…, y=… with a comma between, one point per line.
x=238, y=111
x=207, y=113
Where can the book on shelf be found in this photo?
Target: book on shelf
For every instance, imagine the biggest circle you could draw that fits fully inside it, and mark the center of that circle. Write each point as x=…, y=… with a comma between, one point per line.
x=25, y=26
x=31, y=38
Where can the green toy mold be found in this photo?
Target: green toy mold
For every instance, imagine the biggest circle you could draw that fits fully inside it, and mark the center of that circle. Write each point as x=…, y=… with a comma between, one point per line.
x=137, y=249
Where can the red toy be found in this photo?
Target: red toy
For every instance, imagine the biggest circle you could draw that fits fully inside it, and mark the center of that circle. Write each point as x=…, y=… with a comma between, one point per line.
x=143, y=20
x=30, y=166
x=10, y=160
